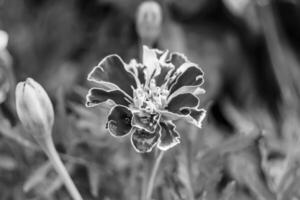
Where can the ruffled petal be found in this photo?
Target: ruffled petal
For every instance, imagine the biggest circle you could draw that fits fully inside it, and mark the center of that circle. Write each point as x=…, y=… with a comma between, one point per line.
x=169, y=137
x=169, y=62
x=197, y=116
x=138, y=70
x=194, y=116
x=140, y=73
x=119, y=121
x=166, y=115
x=182, y=102
x=191, y=76
x=195, y=90
x=97, y=96
x=112, y=70
x=143, y=141
x=151, y=62
x=146, y=121
x=165, y=73
x=159, y=53
x=177, y=59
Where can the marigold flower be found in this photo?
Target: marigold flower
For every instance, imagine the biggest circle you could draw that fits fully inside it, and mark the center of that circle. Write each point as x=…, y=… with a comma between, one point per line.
x=148, y=96
x=34, y=107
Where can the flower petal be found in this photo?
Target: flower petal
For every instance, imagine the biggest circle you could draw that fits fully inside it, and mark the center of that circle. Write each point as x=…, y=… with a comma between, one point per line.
x=137, y=70
x=159, y=53
x=192, y=76
x=165, y=73
x=195, y=90
x=151, y=62
x=169, y=137
x=112, y=70
x=169, y=62
x=97, y=96
x=181, y=102
x=177, y=59
x=197, y=116
x=119, y=121
x=143, y=141
x=145, y=120
x=140, y=73
x=194, y=116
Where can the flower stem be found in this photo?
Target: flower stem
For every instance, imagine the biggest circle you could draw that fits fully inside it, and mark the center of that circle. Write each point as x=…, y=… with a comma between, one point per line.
x=153, y=175
x=61, y=170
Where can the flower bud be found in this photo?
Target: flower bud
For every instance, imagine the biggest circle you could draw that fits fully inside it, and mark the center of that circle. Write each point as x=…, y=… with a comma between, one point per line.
x=34, y=107
x=3, y=39
x=4, y=67
x=148, y=22
x=4, y=83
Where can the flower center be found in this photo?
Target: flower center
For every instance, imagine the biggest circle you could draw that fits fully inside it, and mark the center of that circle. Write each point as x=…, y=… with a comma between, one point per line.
x=150, y=97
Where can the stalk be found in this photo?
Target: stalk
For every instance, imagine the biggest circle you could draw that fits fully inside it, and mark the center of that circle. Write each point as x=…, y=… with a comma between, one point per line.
x=153, y=175
x=61, y=170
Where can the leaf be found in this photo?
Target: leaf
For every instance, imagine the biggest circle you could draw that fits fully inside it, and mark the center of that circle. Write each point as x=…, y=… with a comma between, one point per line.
x=228, y=192
x=184, y=174
x=37, y=176
x=94, y=179
x=245, y=168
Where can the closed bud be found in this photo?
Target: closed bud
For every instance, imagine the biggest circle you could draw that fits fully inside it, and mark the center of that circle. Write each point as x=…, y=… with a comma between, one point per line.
x=4, y=82
x=4, y=67
x=36, y=113
x=3, y=39
x=34, y=108
x=148, y=22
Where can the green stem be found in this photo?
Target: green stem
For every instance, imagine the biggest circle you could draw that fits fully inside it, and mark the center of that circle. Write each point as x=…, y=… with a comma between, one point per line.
x=147, y=162
x=153, y=175
x=61, y=170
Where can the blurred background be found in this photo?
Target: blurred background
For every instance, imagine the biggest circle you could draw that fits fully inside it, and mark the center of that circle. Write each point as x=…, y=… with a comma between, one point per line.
x=249, y=146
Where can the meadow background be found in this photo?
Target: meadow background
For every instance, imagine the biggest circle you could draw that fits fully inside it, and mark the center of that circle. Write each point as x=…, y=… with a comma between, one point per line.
x=249, y=146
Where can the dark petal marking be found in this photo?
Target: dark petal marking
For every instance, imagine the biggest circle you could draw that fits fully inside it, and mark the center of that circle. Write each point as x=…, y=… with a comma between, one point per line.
x=112, y=69
x=165, y=72
x=97, y=96
x=195, y=90
x=194, y=116
x=119, y=121
x=198, y=116
x=169, y=137
x=143, y=141
x=182, y=101
x=141, y=74
x=170, y=62
x=146, y=121
x=158, y=52
x=137, y=70
x=177, y=59
x=170, y=116
x=192, y=76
